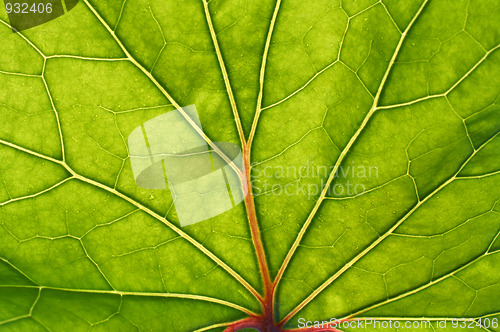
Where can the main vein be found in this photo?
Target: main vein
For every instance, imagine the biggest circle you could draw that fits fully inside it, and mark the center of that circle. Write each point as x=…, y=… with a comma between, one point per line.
x=268, y=303
x=266, y=299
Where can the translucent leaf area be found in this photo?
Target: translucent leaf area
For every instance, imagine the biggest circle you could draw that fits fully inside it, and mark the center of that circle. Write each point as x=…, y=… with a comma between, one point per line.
x=370, y=135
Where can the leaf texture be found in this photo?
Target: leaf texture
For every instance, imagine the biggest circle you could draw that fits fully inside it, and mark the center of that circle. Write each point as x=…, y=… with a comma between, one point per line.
x=315, y=93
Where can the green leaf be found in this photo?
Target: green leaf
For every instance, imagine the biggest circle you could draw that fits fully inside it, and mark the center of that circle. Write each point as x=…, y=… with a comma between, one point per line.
x=370, y=132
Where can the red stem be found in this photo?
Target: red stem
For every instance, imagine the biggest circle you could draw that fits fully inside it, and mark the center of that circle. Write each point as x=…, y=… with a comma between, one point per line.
x=255, y=322
x=264, y=322
x=267, y=299
x=247, y=323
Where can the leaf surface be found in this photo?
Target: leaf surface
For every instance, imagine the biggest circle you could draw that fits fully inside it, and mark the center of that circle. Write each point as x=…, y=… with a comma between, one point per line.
x=372, y=132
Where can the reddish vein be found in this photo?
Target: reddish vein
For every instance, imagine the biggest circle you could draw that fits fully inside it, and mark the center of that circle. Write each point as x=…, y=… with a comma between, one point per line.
x=266, y=300
x=247, y=323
